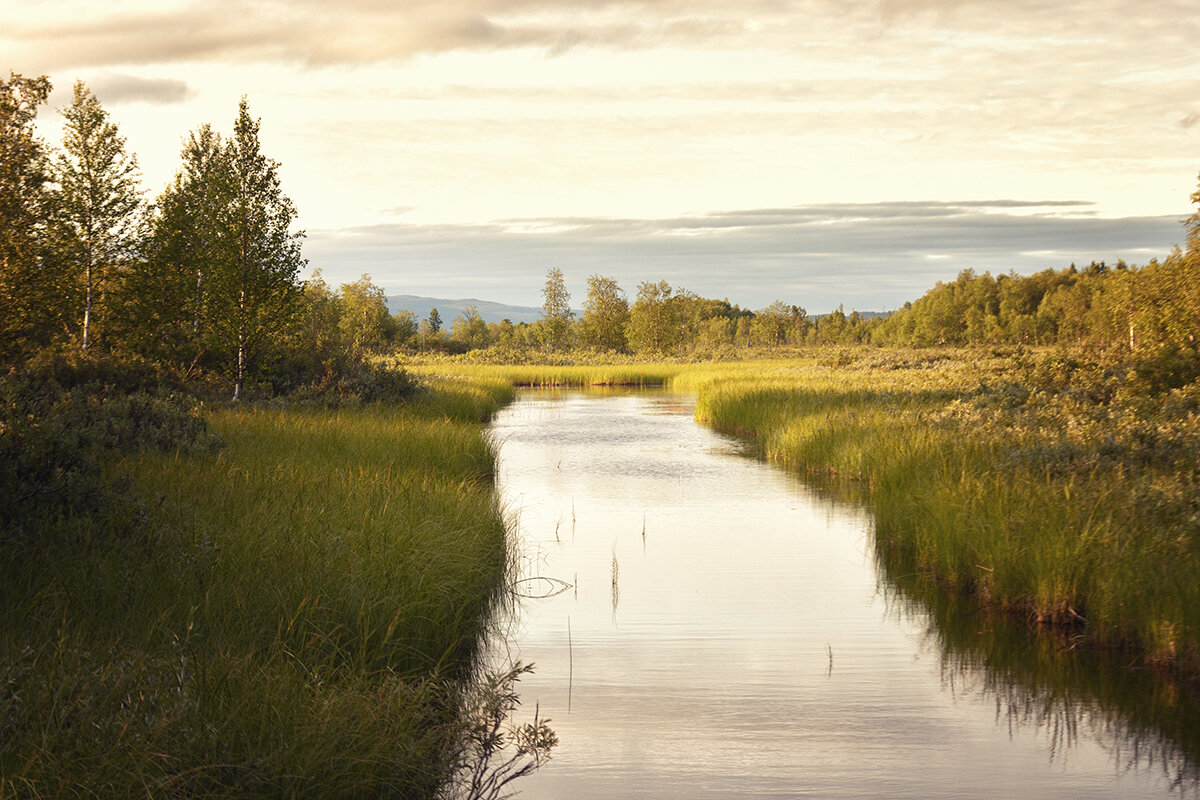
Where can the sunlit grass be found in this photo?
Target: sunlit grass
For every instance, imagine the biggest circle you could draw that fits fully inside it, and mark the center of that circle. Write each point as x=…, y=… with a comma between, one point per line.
x=1024, y=509
x=555, y=375
x=285, y=617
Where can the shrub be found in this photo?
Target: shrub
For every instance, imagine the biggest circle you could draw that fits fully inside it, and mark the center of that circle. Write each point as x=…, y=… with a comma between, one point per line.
x=64, y=414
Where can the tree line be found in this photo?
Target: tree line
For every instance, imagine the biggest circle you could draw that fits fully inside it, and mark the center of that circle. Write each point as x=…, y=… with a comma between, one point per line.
x=661, y=321
x=203, y=279
x=1122, y=310
x=1118, y=307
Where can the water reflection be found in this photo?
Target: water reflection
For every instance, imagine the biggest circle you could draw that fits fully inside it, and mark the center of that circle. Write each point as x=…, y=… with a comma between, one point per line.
x=1144, y=720
x=726, y=633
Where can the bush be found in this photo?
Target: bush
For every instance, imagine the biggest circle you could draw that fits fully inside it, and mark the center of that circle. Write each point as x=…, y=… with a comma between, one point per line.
x=1169, y=368
x=350, y=383
x=61, y=417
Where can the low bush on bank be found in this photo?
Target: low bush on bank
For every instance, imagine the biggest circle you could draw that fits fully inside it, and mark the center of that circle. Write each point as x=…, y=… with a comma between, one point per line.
x=64, y=415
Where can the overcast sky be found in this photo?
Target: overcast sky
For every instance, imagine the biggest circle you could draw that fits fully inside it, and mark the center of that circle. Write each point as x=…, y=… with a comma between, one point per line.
x=821, y=152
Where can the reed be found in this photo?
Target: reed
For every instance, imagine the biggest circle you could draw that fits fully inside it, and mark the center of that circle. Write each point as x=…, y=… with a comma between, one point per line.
x=554, y=374
x=1074, y=512
x=293, y=615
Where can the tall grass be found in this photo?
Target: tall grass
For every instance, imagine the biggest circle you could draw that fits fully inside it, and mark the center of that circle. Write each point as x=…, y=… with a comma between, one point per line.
x=1075, y=512
x=289, y=616
x=555, y=374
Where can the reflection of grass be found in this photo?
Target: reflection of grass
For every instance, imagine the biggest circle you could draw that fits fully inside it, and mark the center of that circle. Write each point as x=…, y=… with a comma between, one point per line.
x=616, y=580
x=1048, y=684
x=278, y=618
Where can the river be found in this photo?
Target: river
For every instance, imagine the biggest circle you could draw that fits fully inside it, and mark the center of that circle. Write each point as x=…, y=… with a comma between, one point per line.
x=704, y=625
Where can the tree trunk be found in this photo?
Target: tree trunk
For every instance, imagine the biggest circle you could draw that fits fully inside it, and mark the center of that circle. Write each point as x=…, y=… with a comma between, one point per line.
x=87, y=306
x=198, y=302
x=241, y=367
x=241, y=350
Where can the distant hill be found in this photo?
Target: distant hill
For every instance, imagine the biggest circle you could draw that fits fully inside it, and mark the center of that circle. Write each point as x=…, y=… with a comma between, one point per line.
x=865, y=315
x=449, y=309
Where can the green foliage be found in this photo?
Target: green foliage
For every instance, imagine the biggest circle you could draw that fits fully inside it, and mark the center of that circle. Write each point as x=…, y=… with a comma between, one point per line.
x=770, y=326
x=64, y=416
x=605, y=314
x=654, y=322
x=33, y=281
x=254, y=285
x=352, y=383
x=555, y=323
x=99, y=201
x=402, y=328
x=138, y=658
x=1125, y=309
x=470, y=329
x=364, y=316
x=288, y=607
x=335, y=334
x=167, y=308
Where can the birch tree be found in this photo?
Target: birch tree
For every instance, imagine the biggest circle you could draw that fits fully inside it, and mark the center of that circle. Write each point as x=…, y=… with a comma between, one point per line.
x=556, y=311
x=100, y=200
x=258, y=259
x=653, y=320
x=364, y=316
x=605, y=313
x=166, y=297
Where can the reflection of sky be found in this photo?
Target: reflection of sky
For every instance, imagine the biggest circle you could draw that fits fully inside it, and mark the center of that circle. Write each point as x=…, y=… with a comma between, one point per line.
x=712, y=677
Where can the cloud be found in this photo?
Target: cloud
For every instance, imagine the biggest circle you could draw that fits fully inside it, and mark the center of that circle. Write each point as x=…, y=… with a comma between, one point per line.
x=366, y=31
x=872, y=256
x=314, y=34
x=115, y=89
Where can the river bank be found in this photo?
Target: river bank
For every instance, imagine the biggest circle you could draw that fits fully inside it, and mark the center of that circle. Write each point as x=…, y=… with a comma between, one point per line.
x=292, y=612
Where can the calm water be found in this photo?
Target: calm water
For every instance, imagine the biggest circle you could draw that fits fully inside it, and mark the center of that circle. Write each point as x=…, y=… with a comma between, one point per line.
x=726, y=633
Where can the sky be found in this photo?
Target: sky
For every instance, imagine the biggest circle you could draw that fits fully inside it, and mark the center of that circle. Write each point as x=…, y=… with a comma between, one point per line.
x=819, y=152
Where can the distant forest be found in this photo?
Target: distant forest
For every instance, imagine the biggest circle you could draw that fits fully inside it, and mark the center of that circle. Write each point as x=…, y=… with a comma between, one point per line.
x=204, y=280
x=1119, y=309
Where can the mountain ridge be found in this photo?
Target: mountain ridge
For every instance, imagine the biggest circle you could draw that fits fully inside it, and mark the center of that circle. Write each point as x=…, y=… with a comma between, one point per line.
x=449, y=308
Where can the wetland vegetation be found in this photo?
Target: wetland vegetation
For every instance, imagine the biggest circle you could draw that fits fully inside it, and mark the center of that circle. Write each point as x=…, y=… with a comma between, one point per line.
x=236, y=558
x=293, y=608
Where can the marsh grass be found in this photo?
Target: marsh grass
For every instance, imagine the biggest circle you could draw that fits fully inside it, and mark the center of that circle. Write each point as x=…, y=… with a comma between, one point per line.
x=648, y=374
x=1072, y=506
x=295, y=614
